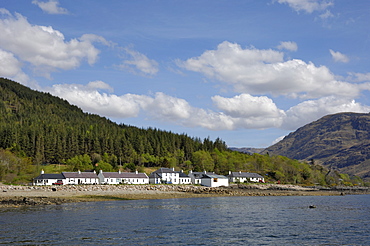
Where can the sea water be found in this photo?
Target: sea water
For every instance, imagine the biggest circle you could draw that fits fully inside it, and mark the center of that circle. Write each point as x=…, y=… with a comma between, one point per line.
x=283, y=220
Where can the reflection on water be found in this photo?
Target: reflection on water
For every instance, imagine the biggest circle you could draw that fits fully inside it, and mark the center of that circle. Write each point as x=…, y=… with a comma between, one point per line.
x=342, y=220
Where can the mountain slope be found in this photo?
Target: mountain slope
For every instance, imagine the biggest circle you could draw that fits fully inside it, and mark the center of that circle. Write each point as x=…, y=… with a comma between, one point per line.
x=340, y=141
x=50, y=130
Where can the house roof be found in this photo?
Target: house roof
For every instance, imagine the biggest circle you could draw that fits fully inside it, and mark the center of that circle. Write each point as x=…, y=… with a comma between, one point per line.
x=183, y=175
x=124, y=175
x=212, y=176
x=164, y=170
x=244, y=175
x=50, y=176
x=198, y=175
x=155, y=175
x=80, y=175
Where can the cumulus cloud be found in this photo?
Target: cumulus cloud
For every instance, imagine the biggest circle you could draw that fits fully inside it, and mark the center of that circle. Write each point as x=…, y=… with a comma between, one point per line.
x=256, y=71
x=91, y=100
x=291, y=46
x=339, y=57
x=50, y=7
x=43, y=47
x=243, y=111
x=11, y=67
x=312, y=110
x=139, y=62
x=308, y=6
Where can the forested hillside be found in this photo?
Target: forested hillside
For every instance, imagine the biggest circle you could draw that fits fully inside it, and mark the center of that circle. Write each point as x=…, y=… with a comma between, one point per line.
x=50, y=130
x=39, y=129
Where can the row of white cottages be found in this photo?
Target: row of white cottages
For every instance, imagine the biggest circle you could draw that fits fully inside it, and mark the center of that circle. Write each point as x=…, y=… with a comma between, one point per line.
x=160, y=176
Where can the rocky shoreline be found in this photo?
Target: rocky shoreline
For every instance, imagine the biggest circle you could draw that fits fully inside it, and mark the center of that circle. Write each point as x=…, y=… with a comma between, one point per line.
x=49, y=195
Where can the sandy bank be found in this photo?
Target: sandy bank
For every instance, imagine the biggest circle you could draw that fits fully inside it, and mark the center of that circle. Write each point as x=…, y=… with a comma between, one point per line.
x=41, y=195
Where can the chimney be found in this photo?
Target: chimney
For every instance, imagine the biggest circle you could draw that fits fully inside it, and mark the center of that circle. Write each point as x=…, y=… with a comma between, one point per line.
x=240, y=172
x=181, y=171
x=79, y=172
x=205, y=171
x=229, y=172
x=119, y=171
x=100, y=171
x=136, y=172
x=94, y=171
x=173, y=169
x=42, y=171
x=190, y=171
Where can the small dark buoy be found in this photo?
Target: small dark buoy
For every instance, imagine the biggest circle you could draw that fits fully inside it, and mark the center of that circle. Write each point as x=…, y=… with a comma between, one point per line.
x=312, y=206
x=54, y=189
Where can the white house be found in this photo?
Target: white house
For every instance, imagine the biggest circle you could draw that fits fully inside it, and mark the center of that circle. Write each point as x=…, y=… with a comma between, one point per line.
x=214, y=180
x=244, y=177
x=81, y=177
x=122, y=178
x=183, y=178
x=164, y=176
x=49, y=179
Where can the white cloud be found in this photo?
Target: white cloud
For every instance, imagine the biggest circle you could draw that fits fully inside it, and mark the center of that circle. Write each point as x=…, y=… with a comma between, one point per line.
x=326, y=15
x=291, y=46
x=239, y=112
x=91, y=100
x=312, y=110
x=98, y=84
x=308, y=6
x=339, y=57
x=50, y=7
x=256, y=71
x=360, y=77
x=139, y=62
x=11, y=68
x=43, y=47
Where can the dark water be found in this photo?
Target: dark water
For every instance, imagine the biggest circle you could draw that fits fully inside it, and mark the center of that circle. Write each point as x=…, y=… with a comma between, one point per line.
x=336, y=220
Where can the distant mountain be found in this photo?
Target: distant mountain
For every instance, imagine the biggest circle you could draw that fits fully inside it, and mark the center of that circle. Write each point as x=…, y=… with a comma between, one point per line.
x=340, y=141
x=248, y=150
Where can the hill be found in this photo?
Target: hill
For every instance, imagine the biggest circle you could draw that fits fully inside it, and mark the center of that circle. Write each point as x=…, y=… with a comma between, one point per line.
x=50, y=130
x=339, y=141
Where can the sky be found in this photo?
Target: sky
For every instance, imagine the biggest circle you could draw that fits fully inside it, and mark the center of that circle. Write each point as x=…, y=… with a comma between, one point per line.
x=246, y=71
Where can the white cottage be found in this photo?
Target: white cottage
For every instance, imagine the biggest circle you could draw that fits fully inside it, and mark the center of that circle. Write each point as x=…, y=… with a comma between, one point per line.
x=79, y=177
x=245, y=177
x=49, y=179
x=214, y=180
x=183, y=178
x=164, y=176
x=122, y=178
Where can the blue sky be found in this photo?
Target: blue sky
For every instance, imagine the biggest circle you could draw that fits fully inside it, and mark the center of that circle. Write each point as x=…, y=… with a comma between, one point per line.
x=248, y=71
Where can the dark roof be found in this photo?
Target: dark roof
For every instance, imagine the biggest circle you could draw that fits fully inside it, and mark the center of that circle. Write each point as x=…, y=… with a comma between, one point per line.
x=50, y=176
x=197, y=175
x=244, y=175
x=183, y=175
x=212, y=176
x=80, y=175
x=155, y=175
x=124, y=175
